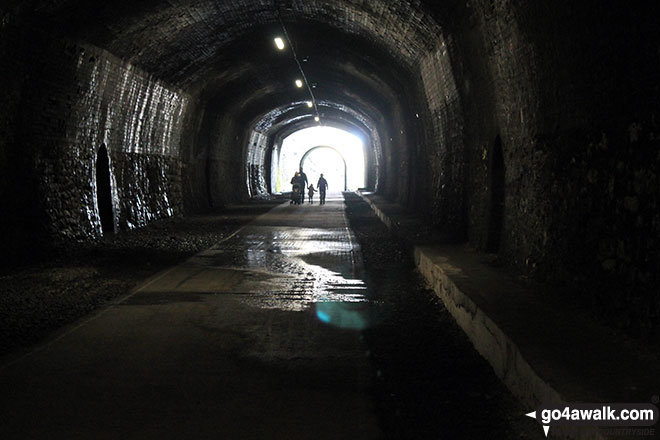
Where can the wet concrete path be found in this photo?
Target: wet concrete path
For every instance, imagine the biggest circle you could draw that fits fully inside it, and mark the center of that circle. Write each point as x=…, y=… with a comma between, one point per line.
x=257, y=337
x=286, y=329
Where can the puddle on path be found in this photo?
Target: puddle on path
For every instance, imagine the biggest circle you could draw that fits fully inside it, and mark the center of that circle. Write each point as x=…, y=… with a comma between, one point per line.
x=291, y=269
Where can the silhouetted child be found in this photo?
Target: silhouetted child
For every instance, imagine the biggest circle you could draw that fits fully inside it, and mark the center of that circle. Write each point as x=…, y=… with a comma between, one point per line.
x=310, y=193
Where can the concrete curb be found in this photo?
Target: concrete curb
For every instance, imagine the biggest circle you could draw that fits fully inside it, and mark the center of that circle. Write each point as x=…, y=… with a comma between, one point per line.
x=486, y=336
x=537, y=373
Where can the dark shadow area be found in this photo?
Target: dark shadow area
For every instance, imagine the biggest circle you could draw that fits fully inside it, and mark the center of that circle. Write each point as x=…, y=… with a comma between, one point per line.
x=104, y=192
x=497, y=184
x=430, y=380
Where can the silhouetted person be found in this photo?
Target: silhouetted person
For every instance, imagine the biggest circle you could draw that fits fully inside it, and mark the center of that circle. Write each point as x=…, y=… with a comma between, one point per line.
x=297, y=189
x=322, y=186
x=310, y=194
x=303, y=183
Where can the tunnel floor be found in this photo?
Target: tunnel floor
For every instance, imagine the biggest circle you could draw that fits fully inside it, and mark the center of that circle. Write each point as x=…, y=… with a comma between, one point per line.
x=309, y=322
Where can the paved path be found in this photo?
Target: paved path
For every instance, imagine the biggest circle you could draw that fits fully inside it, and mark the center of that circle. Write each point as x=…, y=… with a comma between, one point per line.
x=258, y=337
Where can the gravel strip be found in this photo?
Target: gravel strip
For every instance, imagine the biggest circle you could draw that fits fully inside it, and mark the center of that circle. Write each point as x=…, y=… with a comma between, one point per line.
x=65, y=283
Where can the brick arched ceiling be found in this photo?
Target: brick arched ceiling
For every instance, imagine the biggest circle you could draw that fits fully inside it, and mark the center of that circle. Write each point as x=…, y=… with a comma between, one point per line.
x=170, y=37
x=357, y=53
x=287, y=119
x=346, y=72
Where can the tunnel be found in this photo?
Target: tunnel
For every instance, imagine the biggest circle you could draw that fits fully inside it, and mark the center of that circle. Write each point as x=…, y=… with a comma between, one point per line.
x=509, y=150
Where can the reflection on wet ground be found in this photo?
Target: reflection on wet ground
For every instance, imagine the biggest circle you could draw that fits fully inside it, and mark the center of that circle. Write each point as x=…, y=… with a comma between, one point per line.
x=257, y=337
x=290, y=268
x=260, y=337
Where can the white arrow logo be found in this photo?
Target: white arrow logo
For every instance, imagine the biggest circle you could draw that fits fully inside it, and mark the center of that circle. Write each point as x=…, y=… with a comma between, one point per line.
x=546, y=429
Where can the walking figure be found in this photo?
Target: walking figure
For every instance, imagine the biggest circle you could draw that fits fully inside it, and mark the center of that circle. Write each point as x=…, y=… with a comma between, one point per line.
x=303, y=185
x=322, y=186
x=310, y=193
x=297, y=189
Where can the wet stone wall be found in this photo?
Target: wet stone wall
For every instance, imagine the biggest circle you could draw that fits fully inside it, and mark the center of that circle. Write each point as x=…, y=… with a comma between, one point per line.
x=577, y=125
x=256, y=165
x=148, y=188
x=225, y=168
x=512, y=65
x=581, y=151
x=81, y=99
x=444, y=149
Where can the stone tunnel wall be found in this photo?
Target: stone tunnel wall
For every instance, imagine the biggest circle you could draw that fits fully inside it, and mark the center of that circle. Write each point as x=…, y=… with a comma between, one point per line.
x=224, y=142
x=65, y=101
x=219, y=167
x=567, y=89
x=193, y=155
x=393, y=181
x=595, y=150
x=443, y=153
x=255, y=168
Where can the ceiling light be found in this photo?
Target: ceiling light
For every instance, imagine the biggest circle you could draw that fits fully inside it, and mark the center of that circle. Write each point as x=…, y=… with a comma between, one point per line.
x=309, y=104
x=279, y=43
x=299, y=83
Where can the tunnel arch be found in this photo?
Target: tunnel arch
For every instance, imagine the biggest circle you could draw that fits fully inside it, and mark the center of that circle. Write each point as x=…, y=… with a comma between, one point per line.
x=287, y=153
x=349, y=88
x=317, y=148
x=271, y=128
x=435, y=82
x=358, y=124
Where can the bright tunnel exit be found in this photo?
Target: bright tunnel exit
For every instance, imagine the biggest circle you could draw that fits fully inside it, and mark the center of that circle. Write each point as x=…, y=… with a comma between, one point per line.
x=336, y=153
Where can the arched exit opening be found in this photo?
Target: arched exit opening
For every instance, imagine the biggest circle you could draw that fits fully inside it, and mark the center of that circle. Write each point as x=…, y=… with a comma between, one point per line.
x=104, y=191
x=327, y=161
x=343, y=149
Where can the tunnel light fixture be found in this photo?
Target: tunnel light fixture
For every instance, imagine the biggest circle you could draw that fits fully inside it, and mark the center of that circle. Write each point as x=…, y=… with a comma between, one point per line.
x=300, y=82
x=279, y=43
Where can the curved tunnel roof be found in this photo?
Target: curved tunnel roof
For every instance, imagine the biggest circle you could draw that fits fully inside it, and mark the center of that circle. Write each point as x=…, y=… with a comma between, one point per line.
x=512, y=125
x=358, y=56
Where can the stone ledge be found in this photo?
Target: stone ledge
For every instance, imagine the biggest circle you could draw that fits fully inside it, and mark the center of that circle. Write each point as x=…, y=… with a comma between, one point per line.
x=541, y=348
